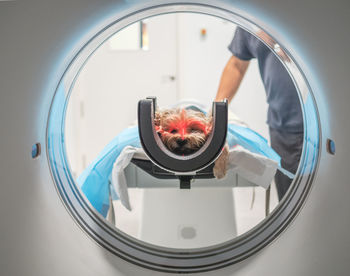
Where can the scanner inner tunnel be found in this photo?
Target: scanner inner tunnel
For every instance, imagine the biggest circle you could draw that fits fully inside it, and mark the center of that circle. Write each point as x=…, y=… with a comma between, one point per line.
x=178, y=57
x=179, y=63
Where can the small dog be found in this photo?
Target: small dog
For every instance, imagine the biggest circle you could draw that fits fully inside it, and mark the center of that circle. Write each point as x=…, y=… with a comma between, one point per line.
x=184, y=131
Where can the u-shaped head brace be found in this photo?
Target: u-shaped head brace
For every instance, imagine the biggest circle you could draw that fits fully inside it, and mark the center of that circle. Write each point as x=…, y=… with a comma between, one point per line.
x=162, y=157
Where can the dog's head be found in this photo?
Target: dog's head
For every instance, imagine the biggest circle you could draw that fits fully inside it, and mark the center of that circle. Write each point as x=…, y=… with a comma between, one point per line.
x=182, y=131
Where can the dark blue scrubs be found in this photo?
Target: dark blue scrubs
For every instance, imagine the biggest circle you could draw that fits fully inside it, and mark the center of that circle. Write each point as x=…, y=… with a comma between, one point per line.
x=284, y=115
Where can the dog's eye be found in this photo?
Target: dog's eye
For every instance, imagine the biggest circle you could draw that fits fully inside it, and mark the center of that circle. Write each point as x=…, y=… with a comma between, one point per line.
x=174, y=131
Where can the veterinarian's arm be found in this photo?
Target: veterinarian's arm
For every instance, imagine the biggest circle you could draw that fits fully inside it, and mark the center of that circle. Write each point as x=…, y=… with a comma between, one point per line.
x=231, y=78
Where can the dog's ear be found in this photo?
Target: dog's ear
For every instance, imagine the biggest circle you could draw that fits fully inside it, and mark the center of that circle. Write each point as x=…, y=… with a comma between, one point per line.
x=157, y=116
x=209, y=121
x=208, y=128
x=158, y=127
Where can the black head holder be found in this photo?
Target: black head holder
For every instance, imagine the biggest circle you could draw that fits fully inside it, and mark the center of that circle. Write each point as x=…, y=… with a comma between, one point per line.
x=167, y=160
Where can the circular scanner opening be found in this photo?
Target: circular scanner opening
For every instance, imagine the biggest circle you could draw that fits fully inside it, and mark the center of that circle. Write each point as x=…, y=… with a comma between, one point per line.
x=177, y=53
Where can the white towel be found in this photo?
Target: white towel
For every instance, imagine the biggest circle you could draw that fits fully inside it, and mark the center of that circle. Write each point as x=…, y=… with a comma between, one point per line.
x=253, y=167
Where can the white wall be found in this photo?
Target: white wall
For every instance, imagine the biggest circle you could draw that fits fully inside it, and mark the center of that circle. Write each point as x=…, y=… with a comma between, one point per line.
x=110, y=85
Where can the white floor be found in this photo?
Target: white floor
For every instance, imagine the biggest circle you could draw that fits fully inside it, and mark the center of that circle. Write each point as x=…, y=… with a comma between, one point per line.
x=249, y=206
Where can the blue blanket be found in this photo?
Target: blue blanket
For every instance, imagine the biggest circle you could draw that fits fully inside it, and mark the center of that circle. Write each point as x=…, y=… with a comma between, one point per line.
x=94, y=181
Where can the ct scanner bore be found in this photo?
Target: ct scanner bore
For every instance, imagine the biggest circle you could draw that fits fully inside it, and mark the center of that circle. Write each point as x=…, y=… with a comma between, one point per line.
x=318, y=245
x=161, y=258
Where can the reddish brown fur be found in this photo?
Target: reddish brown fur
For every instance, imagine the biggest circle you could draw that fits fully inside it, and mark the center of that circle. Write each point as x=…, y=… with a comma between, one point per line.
x=169, y=124
x=185, y=131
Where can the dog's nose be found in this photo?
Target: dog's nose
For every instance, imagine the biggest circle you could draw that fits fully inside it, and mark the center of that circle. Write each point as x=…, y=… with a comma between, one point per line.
x=181, y=142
